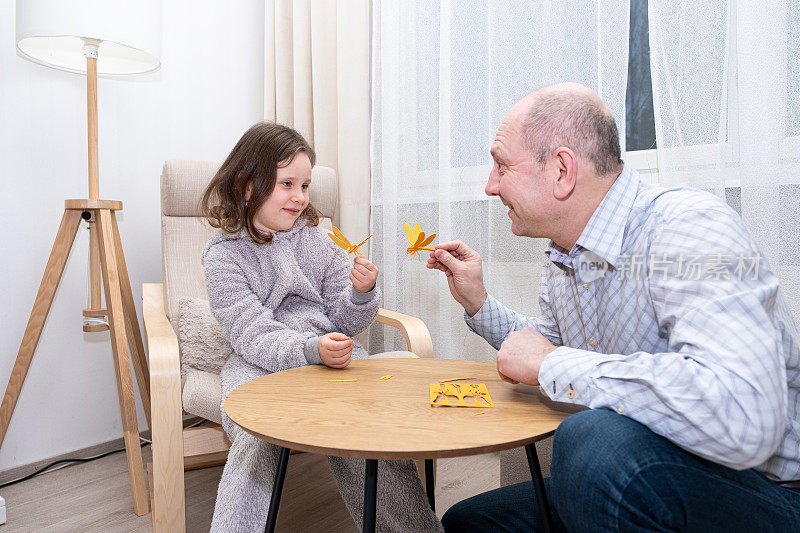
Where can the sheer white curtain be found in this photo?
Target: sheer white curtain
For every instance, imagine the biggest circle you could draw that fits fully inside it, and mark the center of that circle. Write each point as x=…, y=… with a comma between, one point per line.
x=726, y=93
x=444, y=75
x=316, y=79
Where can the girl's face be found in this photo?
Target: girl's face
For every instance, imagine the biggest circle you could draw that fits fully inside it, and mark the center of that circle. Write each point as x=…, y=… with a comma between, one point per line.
x=288, y=199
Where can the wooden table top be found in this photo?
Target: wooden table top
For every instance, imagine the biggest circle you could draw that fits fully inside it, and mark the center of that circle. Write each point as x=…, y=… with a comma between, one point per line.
x=390, y=419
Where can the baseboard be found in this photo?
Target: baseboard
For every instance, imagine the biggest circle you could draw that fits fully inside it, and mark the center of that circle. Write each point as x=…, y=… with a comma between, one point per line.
x=21, y=471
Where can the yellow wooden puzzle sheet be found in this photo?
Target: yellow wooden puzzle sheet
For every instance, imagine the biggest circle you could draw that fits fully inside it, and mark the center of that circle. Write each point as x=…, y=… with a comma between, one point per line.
x=460, y=395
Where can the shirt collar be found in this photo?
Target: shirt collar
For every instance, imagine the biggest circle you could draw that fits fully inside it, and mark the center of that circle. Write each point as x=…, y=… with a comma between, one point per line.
x=604, y=232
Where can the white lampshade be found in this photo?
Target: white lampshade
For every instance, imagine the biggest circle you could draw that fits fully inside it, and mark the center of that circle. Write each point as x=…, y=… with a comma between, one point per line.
x=50, y=32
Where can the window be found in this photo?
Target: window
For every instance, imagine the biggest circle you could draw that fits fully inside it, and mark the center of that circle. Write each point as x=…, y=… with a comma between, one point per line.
x=640, y=129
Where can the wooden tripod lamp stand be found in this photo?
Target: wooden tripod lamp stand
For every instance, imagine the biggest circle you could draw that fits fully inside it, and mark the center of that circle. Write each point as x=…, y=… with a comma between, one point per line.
x=113, y=37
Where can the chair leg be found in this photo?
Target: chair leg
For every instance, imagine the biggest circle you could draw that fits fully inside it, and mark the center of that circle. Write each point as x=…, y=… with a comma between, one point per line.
x=167, y=488
x=167, y=497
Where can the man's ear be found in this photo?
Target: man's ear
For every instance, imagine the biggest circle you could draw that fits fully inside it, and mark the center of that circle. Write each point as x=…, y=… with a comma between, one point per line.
x=567, y=168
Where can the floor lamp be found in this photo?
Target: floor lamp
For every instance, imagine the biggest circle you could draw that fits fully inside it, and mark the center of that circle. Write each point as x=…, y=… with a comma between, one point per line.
x=91, y=37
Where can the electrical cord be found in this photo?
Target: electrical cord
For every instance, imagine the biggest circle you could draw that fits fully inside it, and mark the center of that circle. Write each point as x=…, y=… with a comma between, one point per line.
x=67, y=462
x=49, y=467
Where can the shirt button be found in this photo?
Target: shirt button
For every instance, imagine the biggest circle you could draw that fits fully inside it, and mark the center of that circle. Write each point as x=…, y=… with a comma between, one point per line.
x=586, y=286
x=621, y=410
x=592, y=343
x=570, y=394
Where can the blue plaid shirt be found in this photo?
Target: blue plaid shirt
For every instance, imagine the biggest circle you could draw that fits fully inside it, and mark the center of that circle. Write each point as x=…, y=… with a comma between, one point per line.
x=665, y=311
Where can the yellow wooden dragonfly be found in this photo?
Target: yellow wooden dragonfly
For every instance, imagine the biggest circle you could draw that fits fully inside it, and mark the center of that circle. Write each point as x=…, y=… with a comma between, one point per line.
x=417, y=240
x=342, y=242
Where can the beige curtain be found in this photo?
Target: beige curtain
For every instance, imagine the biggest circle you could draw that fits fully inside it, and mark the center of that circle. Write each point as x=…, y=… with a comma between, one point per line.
x=317, y=80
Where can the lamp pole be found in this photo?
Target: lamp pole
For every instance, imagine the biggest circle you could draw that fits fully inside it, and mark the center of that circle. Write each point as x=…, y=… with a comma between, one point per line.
x=96, y=313
x=90, y=48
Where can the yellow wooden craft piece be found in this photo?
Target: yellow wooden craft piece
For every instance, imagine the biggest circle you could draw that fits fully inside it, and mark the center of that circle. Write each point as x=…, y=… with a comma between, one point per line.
x=342, y=242
x=341, y=380
x=417, y=240
x=460, y=395
x=454, y=379
x=387, y=376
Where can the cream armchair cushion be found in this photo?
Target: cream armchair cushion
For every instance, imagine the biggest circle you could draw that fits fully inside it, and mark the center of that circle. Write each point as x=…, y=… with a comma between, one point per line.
x=204, y=350
x=200, y=337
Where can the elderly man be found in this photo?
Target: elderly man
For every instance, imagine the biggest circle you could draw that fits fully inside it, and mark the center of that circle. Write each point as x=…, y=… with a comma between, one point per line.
x=659, y=314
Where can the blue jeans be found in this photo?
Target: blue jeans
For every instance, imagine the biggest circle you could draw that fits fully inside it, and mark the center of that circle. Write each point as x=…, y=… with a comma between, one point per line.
x=610, y=473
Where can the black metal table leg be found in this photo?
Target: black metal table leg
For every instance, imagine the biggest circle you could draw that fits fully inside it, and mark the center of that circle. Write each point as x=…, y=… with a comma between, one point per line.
x=277, y=488
x=370, y=495
x=430, y=484
x=538, y=488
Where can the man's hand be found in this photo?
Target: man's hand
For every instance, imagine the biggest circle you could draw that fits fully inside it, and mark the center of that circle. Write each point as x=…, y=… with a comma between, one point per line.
x=335, y=349
x=521, y=356
x=462, y=266
x=363, y=275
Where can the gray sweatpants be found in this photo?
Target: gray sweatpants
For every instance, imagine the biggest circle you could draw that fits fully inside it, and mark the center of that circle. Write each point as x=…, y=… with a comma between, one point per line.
x=245, y=489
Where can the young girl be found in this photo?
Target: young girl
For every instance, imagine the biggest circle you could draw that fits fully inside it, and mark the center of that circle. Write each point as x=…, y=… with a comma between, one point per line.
x=286, y=297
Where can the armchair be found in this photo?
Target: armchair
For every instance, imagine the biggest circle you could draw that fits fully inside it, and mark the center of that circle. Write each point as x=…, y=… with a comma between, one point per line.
x=178, y=388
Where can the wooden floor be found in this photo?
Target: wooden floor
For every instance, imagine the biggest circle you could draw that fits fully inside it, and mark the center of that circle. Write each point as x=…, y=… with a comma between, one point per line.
x=95, y=496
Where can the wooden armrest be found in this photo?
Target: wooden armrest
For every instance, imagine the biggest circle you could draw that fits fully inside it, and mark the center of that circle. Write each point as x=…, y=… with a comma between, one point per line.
x=418, y=338
x=167, y=428
x=162, y=344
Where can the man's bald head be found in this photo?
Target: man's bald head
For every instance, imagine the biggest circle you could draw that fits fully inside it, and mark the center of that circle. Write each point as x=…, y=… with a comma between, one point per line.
x=571, y=115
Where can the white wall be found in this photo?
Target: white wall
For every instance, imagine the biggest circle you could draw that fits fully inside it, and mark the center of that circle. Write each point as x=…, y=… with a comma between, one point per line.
x=208, y=91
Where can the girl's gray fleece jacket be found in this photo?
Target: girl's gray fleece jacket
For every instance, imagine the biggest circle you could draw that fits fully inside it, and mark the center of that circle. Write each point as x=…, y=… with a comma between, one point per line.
x=274, y=301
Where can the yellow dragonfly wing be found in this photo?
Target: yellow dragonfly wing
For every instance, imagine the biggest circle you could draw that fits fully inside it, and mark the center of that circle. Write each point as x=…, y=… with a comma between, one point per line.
x=420, y=238
x=341, y=236
x=338, y=242
x=427, y=241
x=409, y=233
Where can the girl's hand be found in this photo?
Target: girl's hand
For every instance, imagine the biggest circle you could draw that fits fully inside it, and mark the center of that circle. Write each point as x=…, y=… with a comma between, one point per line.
x=335, y=349
x=363, y=275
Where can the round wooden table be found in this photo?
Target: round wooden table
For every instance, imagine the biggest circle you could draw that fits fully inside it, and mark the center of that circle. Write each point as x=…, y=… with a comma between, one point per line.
x=373, y=419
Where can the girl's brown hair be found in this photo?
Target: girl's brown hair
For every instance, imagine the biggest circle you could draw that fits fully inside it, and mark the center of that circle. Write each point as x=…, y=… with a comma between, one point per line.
x=255, y=160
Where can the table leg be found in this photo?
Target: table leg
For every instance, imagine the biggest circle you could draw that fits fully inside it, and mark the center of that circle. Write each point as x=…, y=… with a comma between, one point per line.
x=538, y=488
x=277, y=488
x=370, y=495
x=429, y=483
